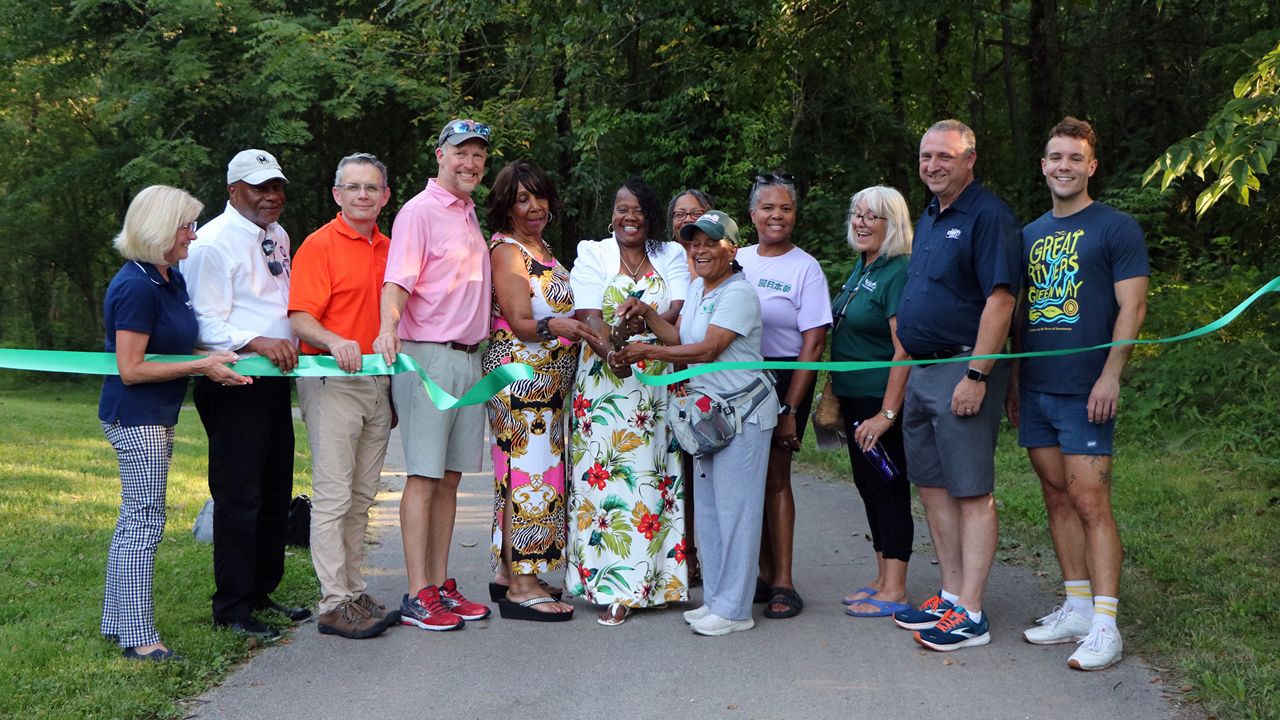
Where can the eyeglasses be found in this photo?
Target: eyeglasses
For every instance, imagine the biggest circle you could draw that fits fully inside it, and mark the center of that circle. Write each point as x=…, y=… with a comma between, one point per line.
x=269, y=249
x=355, y=188
x=680, y=215
x=868, y=217
x=776, y=178
x=190, y=226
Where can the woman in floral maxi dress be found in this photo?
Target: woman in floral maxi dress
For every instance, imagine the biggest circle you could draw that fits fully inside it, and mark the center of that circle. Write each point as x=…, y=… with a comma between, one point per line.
x=626, y=501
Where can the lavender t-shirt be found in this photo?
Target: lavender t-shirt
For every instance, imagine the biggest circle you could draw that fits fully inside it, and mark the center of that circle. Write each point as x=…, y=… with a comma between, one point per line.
x=793, y=297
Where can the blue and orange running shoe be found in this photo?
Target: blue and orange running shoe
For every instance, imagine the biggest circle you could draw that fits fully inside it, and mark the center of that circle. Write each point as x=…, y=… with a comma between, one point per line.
x=954, y=631
x=925, y=616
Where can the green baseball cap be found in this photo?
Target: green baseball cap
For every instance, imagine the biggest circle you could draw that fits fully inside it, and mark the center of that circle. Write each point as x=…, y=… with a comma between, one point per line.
x=716, y=224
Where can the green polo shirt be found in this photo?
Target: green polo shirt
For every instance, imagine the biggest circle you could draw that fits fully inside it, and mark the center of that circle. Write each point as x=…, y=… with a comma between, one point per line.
x=864, y=332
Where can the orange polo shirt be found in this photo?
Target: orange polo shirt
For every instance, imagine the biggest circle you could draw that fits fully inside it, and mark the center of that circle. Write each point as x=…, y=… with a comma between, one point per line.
x=337, y=278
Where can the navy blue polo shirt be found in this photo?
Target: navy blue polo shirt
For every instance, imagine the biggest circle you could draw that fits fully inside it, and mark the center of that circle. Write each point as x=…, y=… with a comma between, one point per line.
x=141, y=300
x=958, y=258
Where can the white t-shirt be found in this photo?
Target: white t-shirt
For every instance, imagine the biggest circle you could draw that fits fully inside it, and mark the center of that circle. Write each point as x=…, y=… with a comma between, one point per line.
x=793, y=297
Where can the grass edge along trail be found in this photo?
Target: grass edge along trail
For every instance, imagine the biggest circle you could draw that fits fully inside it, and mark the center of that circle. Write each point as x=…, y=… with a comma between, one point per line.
x=1202, y=561
x=59, y=496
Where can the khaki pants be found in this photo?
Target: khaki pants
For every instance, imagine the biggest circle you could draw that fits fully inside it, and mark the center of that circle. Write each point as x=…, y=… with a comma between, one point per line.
x=348, y=424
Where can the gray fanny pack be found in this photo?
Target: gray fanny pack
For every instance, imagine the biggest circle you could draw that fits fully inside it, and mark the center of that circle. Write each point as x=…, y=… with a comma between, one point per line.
x=705, y=422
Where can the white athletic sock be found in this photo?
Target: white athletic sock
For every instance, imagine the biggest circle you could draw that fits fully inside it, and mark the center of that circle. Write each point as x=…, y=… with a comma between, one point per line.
x=975, y=616
x=1104, y=610
x=949, y=597
x=1079, y=597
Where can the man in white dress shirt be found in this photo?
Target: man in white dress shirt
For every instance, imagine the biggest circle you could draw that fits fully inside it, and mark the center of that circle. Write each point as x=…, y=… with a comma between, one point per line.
x=238, y=277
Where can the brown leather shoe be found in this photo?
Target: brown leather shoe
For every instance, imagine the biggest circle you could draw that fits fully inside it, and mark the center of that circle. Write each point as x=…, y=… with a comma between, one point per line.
x=349, y=620
x=377, y=609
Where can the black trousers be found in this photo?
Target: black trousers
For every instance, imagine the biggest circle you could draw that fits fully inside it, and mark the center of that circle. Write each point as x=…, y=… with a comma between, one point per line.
x=250, y=432
x=888, y=503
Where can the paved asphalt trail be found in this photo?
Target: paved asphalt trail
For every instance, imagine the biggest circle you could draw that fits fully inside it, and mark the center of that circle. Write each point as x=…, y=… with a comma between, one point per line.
x=821, y=664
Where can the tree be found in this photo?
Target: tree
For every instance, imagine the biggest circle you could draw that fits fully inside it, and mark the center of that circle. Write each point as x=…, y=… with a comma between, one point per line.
x=1237, y=144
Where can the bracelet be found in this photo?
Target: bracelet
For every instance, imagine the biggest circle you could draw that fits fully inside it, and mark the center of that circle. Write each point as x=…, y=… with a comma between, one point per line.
x=544, y=329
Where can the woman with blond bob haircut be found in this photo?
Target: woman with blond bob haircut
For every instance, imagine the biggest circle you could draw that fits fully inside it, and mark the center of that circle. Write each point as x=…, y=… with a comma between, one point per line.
x=148, y=233
x=866, y=324
x=147, y=310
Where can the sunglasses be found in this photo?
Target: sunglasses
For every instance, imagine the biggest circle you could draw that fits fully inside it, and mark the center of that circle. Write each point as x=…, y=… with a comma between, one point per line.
x=268, y=250
x=775, y=178
x=466, y=126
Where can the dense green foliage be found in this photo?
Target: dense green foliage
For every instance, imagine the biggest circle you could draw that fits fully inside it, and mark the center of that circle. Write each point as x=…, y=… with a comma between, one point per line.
x=104, y=97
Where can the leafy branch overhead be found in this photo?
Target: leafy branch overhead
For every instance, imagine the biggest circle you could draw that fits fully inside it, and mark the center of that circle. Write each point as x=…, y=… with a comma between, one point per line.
x=1237, y=144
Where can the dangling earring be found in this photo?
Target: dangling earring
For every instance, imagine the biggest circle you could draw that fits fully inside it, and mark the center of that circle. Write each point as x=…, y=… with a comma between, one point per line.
x=551, y=217
x=610, y=228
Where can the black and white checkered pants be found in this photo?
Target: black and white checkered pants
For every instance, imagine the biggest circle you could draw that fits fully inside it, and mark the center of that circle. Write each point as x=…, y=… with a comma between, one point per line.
x=128, y=612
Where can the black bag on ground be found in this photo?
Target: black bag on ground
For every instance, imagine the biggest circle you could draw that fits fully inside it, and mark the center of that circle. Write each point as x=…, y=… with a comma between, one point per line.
x=298, y=532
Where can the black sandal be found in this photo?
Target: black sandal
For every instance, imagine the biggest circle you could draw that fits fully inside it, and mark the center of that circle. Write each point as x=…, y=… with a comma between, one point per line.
x=498, y=591
x=784, y=596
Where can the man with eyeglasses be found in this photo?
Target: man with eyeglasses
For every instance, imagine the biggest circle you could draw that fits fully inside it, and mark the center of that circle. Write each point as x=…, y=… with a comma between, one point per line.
x=436, y=304
x=238, y=277
x=333, y=306
x=957, y=302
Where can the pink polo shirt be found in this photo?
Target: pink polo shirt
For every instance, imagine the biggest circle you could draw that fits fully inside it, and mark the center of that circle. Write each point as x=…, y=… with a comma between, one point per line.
x=438, y=255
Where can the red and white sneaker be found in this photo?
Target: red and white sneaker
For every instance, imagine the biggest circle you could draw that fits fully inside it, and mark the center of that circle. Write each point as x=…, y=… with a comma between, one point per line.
x=428, y=612
x=459, y=605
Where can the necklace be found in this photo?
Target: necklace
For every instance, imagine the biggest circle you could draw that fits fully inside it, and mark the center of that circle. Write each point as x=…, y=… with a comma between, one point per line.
x=633, y=273
x=537, y=243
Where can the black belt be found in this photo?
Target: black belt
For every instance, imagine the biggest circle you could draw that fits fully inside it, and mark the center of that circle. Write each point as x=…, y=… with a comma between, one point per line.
x=459, y=346
x=942, y=354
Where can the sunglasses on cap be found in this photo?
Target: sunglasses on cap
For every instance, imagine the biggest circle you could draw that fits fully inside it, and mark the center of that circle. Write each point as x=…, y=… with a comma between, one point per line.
x=773, y=178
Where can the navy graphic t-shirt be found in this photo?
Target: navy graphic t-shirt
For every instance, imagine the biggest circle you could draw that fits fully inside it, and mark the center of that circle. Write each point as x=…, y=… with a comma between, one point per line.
x=1071, y=265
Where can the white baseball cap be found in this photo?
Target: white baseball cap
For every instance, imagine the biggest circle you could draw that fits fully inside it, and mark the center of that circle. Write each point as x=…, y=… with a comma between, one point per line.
x=254, y=167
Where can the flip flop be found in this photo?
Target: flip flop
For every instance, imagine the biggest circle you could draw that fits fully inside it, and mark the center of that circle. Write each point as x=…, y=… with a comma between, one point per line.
x=613, y=620
x=512, y=610
x=869, y=591
x=498, y=591
x=887, y=608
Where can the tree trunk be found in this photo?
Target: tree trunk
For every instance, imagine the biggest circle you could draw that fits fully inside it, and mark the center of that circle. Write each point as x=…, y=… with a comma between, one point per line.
x=568, y=159
x=1045, y=94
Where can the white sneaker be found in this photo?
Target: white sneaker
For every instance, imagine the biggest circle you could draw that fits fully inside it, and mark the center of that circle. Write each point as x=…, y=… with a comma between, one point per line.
x=1060, y=626
x=713, y=625
x=1101, y=649
x=692, y=616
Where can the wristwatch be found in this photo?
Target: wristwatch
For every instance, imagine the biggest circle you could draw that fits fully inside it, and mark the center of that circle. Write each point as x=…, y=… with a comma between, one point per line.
x=975, y=375
x=785, y=409
x=544, y=329
x=889, y=414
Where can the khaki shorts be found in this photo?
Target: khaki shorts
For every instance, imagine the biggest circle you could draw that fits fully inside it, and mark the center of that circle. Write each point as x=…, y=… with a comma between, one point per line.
x=437, y=441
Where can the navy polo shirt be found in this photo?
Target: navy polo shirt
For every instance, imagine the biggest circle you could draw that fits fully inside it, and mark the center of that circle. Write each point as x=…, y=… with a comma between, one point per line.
x=141, y=300
x=958, y=258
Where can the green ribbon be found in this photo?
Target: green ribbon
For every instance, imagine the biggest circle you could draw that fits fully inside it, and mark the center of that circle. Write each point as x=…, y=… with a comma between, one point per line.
x=852, y=365
x=88, y=363
x=91, y=363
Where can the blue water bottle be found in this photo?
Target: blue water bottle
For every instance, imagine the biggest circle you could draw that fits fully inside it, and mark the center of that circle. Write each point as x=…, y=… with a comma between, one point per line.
x=880, y=460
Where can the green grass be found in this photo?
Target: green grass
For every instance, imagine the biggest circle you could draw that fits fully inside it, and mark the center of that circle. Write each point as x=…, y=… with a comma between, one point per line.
x=1202, y=565
x=59, y=494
